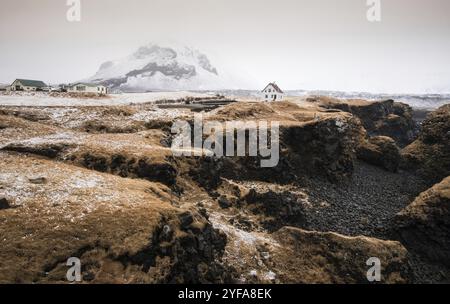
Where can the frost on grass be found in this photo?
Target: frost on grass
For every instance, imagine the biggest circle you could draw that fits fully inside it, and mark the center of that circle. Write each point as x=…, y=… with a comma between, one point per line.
x=61, y=100
x=75, y=192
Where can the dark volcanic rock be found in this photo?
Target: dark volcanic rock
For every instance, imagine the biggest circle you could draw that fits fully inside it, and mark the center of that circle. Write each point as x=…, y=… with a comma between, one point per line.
x=276, y=209
x=186, y=219
x=51, y=150
x=38, y=180
x=127, y=166
x=325, y=147
x=380, y=151
x=4, y=204
x=379, y=118
x=225, y=202
x=429, y=155
x=424, y=226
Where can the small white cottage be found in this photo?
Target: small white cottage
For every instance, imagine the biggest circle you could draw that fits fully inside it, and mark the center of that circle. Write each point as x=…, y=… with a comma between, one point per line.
x=87, y=88
x=272, y=92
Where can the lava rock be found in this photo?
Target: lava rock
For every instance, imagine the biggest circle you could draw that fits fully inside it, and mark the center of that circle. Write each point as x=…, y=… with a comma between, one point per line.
x=186, y=219
x=379, y=118
x=4, y=204
x=424, y=226
x=224, y=202
x=429, y=155
x=38, y=180
x=380, y=151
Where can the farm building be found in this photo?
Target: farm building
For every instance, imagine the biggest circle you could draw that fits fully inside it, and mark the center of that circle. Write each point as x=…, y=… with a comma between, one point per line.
x=87, y=88
x=27, y=85
x=272, y=92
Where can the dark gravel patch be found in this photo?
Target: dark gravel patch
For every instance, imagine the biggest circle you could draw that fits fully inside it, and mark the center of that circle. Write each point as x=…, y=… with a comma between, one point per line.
x=363, y=205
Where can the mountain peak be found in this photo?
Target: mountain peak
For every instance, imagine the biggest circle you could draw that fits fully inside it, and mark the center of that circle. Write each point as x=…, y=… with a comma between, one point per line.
x=156, y=67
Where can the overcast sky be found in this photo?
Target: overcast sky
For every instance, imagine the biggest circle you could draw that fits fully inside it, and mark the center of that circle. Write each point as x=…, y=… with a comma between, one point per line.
x=302, y=44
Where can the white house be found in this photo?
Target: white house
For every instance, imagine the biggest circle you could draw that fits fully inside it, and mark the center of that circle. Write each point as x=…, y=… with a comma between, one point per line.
x=272, y=92
x=27, y=85
x=87, y=88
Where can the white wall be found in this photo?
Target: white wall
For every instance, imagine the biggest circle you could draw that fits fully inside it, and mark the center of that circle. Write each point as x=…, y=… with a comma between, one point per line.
x=87, y=89
x=279, y=96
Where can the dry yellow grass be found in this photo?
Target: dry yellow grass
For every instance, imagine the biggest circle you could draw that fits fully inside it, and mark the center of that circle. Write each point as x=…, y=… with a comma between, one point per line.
x=73, y=211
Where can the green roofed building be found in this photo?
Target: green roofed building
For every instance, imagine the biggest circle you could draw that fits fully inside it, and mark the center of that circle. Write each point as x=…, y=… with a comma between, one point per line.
x=27, y=85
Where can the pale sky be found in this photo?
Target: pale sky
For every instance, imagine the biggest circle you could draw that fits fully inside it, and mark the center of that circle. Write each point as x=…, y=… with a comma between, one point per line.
x=301, y=44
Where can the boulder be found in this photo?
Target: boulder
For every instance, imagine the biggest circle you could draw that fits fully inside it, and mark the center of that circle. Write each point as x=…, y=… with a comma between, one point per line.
x=429, y=155
x=424, y=226
x=4, y=204
x=380, y=151
x=275, y=209
x=329, y=258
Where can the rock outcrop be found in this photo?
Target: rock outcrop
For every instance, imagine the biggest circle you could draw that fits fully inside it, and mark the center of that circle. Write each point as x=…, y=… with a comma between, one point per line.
x=122, y=230
x=267, y=205
x=429, y=155
x=380, y=151
x=317, y=257
x=139, y=155
x=424, y=226
x=4, y=204
x=310, y=144
x=379, y=118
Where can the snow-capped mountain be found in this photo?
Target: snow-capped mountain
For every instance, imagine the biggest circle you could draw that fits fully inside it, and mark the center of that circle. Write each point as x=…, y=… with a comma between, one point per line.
x=154, y=67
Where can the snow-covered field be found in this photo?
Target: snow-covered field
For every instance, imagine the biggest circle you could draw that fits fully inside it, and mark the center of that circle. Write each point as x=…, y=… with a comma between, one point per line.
x=43, y=99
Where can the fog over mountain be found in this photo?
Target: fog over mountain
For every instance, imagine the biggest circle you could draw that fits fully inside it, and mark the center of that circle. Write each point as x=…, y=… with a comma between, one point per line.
x=160, y=67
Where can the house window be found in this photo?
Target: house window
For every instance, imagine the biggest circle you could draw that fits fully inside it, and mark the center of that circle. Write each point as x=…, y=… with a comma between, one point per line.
x=267, y=96
x=81, y=88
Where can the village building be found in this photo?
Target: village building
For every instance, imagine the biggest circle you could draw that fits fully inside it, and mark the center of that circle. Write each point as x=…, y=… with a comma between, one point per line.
x=272, y=92
x=27, y=85
x=87, y=88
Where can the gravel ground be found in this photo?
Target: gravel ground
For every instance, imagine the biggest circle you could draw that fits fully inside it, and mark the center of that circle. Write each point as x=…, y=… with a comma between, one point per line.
x=364, y=205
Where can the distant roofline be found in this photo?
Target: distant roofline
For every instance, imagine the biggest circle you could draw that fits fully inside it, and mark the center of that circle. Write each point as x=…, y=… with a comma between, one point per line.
x=86, y=84
x=275, y=86
x=38, y=83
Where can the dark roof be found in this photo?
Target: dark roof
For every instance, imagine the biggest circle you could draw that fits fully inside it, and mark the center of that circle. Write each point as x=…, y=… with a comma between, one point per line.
x=87, y=84
x=275, y=86
x=32, y=83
